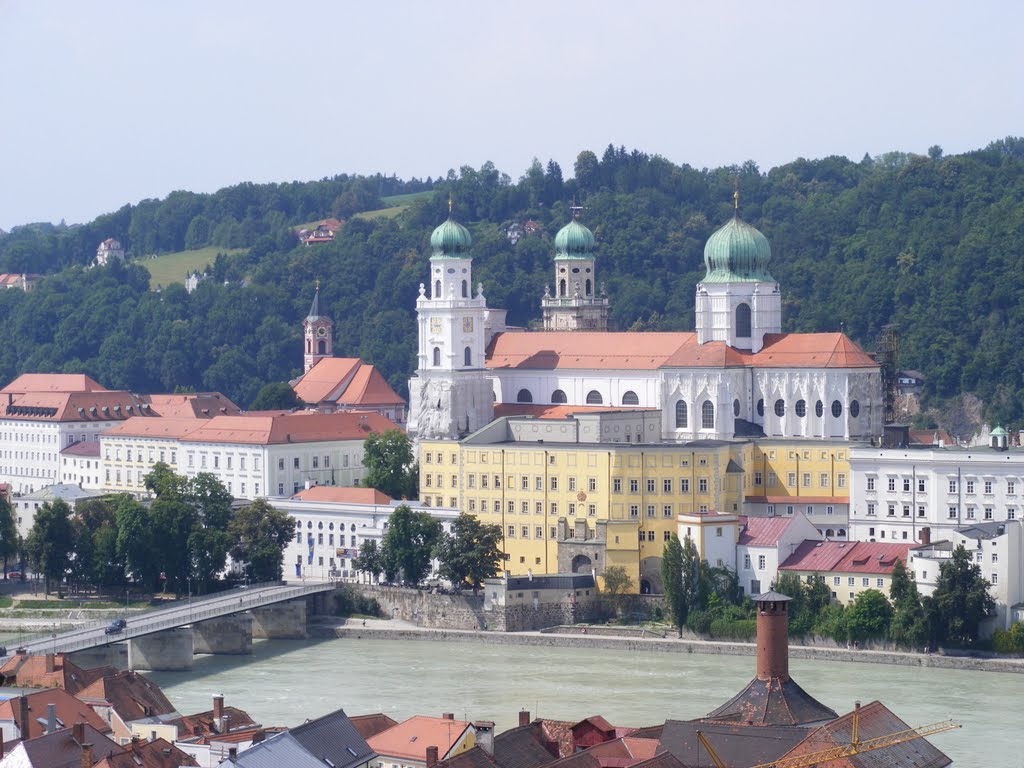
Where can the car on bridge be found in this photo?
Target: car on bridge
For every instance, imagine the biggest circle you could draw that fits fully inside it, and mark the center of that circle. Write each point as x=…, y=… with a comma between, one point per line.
x=115, y=627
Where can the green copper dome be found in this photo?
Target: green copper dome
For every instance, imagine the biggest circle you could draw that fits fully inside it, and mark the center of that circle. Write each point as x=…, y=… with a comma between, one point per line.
x=450, y=240
x=574, y=241
x=737, y=252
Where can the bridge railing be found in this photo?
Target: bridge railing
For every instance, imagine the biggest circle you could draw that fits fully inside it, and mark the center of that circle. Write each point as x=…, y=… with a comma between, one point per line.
x=210, y=607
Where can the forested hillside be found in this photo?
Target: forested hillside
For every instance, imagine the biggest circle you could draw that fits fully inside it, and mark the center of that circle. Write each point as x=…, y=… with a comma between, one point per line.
x=934, y=244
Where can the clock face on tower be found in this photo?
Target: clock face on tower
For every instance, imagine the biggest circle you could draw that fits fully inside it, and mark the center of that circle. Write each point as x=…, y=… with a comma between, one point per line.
x=321, y=331
x=435, y=325
x=467, y=325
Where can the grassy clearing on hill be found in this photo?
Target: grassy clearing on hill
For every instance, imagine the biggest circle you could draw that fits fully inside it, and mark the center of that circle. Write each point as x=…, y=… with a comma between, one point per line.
x=174, y=267
x=407, y=199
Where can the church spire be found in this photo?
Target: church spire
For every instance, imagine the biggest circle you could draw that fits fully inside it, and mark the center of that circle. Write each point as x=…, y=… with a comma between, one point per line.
x=318, y=334
x=314, y=308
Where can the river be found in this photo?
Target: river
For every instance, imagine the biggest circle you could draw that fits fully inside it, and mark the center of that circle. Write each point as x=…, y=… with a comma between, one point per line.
x=285, y=682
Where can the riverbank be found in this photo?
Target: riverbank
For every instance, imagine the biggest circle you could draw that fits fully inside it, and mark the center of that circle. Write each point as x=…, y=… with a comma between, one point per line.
x=575, y=637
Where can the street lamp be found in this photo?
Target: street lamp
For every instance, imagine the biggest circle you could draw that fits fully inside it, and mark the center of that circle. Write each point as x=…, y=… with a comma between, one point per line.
x=189, y=580
x=126, y=604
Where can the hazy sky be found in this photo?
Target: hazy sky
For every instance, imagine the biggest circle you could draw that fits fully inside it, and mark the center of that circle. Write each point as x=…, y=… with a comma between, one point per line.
x=105, y=103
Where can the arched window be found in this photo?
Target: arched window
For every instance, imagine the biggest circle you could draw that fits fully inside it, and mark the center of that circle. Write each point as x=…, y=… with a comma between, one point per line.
x=854, y=408
x=309, y=346
x=743, y=321
x=829, y=532
x=561, y=287
x=681, y=415
x=818, y=409
x=801, y=408
x=594, y=397
x=736, y=408
x=760, y=407
x=558, y=396
x=630, y=398
x=465, y=289
x=467, y=356
x=837, y=408
x=524, y=396
x=321, y=347
x=780, y=407
x=437, y=289
x=437, y=356
x=589, y=290
x=707, y=415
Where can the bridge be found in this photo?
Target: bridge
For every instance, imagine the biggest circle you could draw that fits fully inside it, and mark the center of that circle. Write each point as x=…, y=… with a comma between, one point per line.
x=167, y=638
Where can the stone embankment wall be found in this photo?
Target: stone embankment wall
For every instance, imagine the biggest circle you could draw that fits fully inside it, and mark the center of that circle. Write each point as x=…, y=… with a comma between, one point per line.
x=573, y=637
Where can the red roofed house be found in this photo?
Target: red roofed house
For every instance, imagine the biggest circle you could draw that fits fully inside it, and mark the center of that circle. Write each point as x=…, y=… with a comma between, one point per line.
x=49, y=671
x=124, y=698
x=31, y=714
x=23, y=282
x=410, y=743
x=253, y=454
x=738, y=374
x=764, y=543
x=848, y=567
x=331, y=383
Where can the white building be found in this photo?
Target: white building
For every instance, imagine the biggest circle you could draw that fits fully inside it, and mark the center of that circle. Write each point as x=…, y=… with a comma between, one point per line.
x=998, y=550
x=109, y=250
x=254, y=455
x=764, y=544
x=738, y=375
x=897, y=492
x=331, y=524
x=25, y=507
x=41, y=414
x=80, y=465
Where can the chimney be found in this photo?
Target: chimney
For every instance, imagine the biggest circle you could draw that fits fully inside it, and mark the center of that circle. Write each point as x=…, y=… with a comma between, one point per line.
x=448, y=716
x=87, y=756
x=431, y=756
x=232, y=753
x=926, y=535
x=1, y=743
x=218, y=709
x=485, y=735
x=25, y=720
x=78, y=732
x=51, y=718
x=50, y=665
x=524, y=718
x=772, y=636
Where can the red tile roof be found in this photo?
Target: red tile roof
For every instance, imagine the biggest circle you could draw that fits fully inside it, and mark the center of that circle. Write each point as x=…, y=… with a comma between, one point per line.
x=70, y=406
x=158, y=753
x=764, y=531
x=129, y=694
x=410, y=739
x=867, y=557
x=147, y=426
x=931, y=437
x=68, y=709
x=203, y=724
x=82, y=448
x=345, y=381
x=299, y=427
x=371, y=725
x=816, y=556
x=52, y=382
x=339, y=495
x=61, y=749
x=547, y=350
x=196, y=405
x=24, y=671
x=540, y=411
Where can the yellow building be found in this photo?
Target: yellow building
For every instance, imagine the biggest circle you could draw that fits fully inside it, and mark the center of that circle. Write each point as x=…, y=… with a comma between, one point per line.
x=569, y=498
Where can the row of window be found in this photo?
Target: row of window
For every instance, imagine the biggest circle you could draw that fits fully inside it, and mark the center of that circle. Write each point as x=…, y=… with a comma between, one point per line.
x=970, y=486
x=593, y=397
x=467, y=357
x=330, y=539
x=952, y=512
x=486, y=482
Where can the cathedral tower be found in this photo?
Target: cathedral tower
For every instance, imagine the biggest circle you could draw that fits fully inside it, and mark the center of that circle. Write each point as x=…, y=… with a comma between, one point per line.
x=450, y=395
x=738, y=301
x=318, y=333
x=576, y=305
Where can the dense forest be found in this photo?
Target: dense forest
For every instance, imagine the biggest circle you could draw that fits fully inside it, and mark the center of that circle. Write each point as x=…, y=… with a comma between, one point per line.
x=931, y=243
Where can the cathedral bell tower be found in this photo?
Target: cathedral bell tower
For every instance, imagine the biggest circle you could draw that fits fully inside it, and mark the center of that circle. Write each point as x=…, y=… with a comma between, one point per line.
x=738, y=301
x=318, y=334
x=450, y=394
x=576, y=305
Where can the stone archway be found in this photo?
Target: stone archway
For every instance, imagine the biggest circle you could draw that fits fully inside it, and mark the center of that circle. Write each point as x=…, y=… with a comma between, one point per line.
x=581, y=564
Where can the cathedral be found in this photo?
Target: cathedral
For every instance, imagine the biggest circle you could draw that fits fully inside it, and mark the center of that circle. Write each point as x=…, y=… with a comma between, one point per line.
x=737, y=376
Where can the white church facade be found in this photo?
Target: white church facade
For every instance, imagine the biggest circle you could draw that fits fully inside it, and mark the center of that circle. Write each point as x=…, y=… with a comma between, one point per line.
x=737, y=376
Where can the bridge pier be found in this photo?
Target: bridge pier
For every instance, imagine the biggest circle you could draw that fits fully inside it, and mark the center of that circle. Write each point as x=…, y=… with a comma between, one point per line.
x=283, y=621
x=109, y=655
x=226, y=635
x=170, y=650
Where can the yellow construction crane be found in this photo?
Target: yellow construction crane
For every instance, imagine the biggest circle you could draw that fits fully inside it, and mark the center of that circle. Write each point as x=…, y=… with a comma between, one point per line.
x=855, y=747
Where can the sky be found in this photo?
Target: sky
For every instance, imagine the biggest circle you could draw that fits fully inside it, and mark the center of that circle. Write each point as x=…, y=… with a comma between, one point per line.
x=104, y=103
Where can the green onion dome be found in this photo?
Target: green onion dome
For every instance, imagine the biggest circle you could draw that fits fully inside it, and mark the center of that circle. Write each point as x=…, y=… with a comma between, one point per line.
x=574, y=241
x=737, y=252
x=450, y=240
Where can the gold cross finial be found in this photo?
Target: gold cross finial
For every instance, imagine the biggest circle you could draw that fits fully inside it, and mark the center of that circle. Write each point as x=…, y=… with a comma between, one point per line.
x=736, y=199
x=318, y=285
x=449, y=203
x=576, y=209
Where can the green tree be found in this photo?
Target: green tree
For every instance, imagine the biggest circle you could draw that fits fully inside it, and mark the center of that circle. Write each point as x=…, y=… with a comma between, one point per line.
x=389, y=464
x=908, y=628
x=409, y=544
x=693, y=594
x=50, y=543
x=259, y=534
x=470, y=553
x=672, y=582
x=369, y=560
x=136, y=543
x=8, y=533
x=616, y=581
x=869, y=616
x=961, y=599
x=275, y=396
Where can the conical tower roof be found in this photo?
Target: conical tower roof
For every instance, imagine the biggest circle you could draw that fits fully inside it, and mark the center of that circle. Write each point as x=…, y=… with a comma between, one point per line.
x=737, y=252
